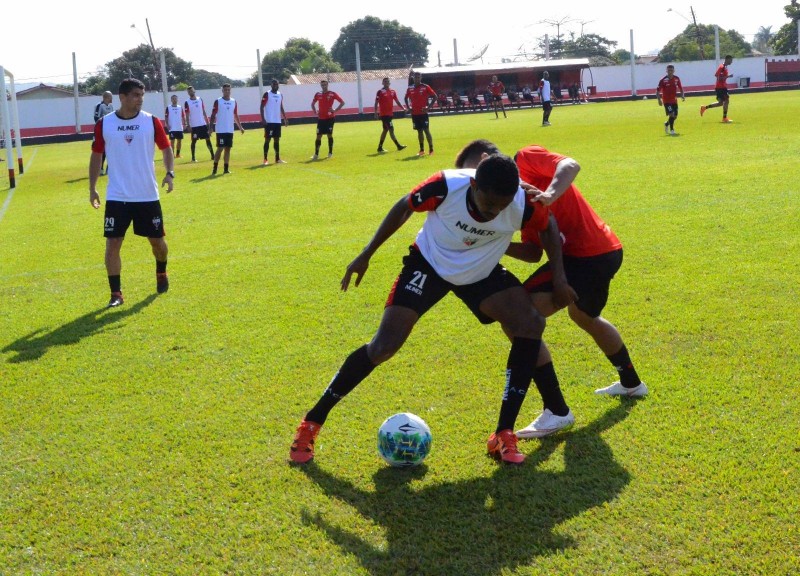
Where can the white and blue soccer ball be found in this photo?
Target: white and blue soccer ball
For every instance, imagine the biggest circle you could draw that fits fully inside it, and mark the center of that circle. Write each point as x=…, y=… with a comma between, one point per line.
x=404, y=440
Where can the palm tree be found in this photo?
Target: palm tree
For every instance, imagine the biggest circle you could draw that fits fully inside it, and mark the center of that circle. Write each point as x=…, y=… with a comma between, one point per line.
x=761, y=40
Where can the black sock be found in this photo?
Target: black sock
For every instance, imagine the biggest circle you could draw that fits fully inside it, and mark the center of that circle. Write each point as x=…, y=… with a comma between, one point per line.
x=161, y=267
x=316, y=149
x=519, y=371
x=115, y=283
x=547, y=383
x=277, y=146
x=357, y=367
x=266, y=149
x=194, y=145
x=627, y=373
x=226, y=167
x=330, y=146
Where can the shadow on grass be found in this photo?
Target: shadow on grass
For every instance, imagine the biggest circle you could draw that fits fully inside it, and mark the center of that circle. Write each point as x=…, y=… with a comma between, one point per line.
x=482, y=525
x=34, y=345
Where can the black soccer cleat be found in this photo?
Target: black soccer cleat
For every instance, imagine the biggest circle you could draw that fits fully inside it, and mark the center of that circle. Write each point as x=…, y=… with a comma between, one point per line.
x=162, y=282
x=116, y=300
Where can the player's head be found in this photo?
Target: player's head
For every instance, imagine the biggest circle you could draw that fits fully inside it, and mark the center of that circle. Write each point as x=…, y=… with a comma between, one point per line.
x=107, y=97
x=131, y=95
x=546, y=75
x=190, y=91
x=274, y=85
x=324, y=85
x=472, y=154
x=728, y=59
x=417, y=78
x=226, y=90
x=495, y=184
x=174, y=99
x=386, y=82
x=670, y=70
x=494, y=78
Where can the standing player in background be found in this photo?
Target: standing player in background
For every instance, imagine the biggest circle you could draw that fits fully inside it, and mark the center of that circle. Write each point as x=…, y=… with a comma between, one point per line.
x=472, y=215
x=128, y=137
x=667, y=92
x=496, y=89
x=592, y=255
x=224, y=115
x=721, y=88
x=103, y=107
x=544, y=96
x=272, y=113
x=384, y=109
x=195, y=112
x=175, y=122
x=326, y=116
x=422, y=98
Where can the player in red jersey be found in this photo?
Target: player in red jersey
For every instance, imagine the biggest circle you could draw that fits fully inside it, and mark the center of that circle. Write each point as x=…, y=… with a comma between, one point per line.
x=422, y=98
x=592, y=255
x=326, y=116
x=128, y=138
x=384, y=109
x=472, y=215
x=667, y=92
x=721, y=88
x=496, y=89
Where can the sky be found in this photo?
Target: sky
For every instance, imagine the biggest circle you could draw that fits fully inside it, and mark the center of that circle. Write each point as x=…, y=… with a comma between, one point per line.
x=39, y=42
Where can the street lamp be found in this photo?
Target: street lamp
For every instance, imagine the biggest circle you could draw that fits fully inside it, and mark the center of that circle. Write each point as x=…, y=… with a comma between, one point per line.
x=693, y=22
x=152, y=47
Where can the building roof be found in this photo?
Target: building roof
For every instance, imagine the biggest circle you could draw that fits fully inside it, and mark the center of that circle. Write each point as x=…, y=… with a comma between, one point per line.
x=317, y=77
x=45, y=91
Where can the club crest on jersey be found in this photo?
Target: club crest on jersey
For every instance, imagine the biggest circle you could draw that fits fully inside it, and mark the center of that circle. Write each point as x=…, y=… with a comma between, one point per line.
x=469, y=241
x=157, y=222
x=128, y=138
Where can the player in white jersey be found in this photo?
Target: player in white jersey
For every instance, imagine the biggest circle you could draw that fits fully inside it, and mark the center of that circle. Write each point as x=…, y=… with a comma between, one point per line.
x=223, y=117
x=175, y=122
x=272, y=113
x=128, y=138
x=195, y=112
x=472, y=216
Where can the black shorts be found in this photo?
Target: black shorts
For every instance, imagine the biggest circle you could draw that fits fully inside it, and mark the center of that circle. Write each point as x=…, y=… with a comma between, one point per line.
x=224, y=139
x=420, y=121
x=387, y=122
x=419, y=287
x=325, y=126
x=547, y=105
x=671, y=109
x=199, y=132
x=722, y=94
x=590, y=277
x=272, y=130
x=176, y=135
x=146, y=217
x=497, y=97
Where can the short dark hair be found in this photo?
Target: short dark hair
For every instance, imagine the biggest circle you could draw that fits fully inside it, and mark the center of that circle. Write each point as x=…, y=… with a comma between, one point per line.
x=498, y=175
x=226, y=85
x=274, y=81
x=128, y=84
x=472, y=152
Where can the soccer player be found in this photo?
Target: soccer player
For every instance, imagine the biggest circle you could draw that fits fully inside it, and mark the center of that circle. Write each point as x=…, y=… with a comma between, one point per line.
x=422, y=98
x=721, y=88
x=496, y=89
x=592, y=255
x=667, y=92
x=326, y=116
x=384, y=109
x=544, y=96
x=127, y=137
x=472, y=216
x=175, y=123
x=224, y=115
x=195, y=112
x=103, y=107
x=272, y=113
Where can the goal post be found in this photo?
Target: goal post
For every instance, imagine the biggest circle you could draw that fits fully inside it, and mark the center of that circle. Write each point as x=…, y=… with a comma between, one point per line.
x=9, y=121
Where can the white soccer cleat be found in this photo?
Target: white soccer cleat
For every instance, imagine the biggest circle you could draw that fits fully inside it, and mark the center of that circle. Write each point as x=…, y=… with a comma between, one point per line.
x=547, y=423
x=673, y=133
x=617, y=389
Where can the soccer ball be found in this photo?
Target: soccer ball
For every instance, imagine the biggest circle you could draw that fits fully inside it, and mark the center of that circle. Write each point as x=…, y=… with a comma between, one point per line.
x=404, y=440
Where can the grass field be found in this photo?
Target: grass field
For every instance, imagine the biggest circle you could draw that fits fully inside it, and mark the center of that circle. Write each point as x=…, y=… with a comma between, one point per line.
x=153, y=438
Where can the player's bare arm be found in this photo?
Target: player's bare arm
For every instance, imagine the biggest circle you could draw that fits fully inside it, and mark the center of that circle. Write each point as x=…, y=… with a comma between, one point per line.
x=525, y=251
x=566, y=172
x=169, y=165
x=95, y=161
x=393, y=221
x=563, y=294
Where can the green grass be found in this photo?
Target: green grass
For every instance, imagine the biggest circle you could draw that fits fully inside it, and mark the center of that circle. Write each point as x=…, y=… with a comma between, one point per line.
x=153, y=438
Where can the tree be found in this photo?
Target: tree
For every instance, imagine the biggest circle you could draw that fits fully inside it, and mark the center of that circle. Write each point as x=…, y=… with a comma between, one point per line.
x=298, y=56
x=762, y=38
x=697, y=43
x=784, y=41
x=381, y=43
x=587, y=46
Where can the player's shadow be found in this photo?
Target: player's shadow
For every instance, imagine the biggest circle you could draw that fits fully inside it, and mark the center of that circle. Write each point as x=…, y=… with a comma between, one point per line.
x=34, y=345
x=479, y=526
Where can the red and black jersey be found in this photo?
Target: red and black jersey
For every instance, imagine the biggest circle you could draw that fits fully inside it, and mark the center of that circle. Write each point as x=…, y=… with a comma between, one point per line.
x=325, y=101
x=721, y=76
x=385, y=99
x=496, y=88
x=584, y=233
x=669, y=88
x=419, y=96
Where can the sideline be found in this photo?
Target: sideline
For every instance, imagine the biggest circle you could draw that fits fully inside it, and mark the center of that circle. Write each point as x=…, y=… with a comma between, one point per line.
x=10, y=195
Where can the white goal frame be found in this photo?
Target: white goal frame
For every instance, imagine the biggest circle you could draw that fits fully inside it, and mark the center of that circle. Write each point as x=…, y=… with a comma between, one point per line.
x=9, y=115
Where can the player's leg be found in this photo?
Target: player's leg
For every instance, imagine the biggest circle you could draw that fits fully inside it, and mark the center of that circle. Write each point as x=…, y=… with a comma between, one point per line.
x=266, y=144
x=194, y=145
x=429, y=138
x=210, y=146
x=330, y=142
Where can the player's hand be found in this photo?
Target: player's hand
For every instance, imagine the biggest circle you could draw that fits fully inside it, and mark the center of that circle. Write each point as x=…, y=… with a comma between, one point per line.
x=94, y=199
x=358, y=267
x=167, y=181
x=242, y=130
x=563, y=294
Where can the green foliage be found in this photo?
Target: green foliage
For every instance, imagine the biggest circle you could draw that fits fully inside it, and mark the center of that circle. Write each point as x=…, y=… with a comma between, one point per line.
x=587, y=46
x=153, y=438
x=202, y=79
x=697, y=43
x=784, y=41
x=298, y=56
x=382, y=44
